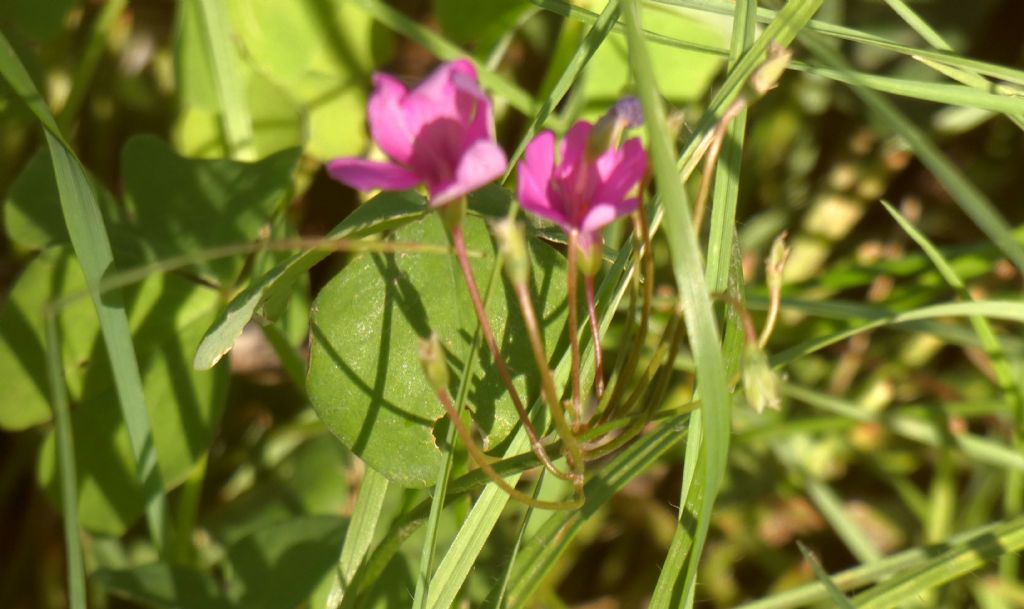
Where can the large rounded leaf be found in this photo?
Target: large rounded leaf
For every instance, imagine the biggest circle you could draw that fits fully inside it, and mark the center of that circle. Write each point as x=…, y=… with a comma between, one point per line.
x=365, y=380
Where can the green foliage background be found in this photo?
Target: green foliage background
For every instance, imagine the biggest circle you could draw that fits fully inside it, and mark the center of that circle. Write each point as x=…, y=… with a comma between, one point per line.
x=160, y=163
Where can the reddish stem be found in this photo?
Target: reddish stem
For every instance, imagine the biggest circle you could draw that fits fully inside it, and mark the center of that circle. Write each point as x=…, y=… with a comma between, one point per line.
x=459, y=244
x=595, y=331
x=574, y=340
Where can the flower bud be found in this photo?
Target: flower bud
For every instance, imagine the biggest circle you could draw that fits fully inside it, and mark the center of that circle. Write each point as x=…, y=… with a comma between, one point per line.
x=768, y=74
x=760, y=383
x=625, y=114
x=432, y=359
x=775, y=265
x=512, y=247
x=453, y=213
x=591, y=258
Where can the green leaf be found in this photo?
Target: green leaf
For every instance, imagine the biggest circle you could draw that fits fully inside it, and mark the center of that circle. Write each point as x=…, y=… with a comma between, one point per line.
x=277, y=122
x=322, y=53
x=164, y=586
x=276, y=567
x=309, y=480
x=168, y=315
x=365, y=380
x=181, y=205
x=465, y=21
x=281, y=565
x=609, y=72
x=92, y=247
x=51, y=275
x=40, y=21
x=384, y=212
x=32, y=214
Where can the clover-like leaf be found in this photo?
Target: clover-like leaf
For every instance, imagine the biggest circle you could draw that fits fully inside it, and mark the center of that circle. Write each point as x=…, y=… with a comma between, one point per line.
x=365, y=380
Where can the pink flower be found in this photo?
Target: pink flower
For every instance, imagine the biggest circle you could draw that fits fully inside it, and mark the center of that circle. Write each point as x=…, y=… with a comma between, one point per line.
x=440, y=134
x=580, y=193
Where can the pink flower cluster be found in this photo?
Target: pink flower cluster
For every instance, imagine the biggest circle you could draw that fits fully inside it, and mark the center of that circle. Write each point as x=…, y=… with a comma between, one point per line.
x=441, y=134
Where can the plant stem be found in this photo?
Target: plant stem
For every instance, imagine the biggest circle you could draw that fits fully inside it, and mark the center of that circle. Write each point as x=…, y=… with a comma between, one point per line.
x=459, y=244
x=548, y=386
x=646, y=262
x=574, y=339
x=481, y=459
x=595, y=331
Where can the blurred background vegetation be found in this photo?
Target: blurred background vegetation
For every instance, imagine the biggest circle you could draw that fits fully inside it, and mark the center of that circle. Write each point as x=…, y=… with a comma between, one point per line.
x=134, y=86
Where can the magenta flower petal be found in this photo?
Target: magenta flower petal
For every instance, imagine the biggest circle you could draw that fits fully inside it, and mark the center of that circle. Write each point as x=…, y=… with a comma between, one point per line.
x=441, y=133
x=620, y=171
x=534, y=177
x=571, y=152
x=603, y=214
x=369, y=175
x=481, y=163
x=443, y=95
x=582, y=194
x=388, y=124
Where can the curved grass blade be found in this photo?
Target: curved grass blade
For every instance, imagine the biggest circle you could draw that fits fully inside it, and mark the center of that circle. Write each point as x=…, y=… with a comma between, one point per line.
x=234, y=112
x=383, y=212
x=687, y=265
x=958, y=561
x=68, y=470
x=969, y=197
x=819, y=572
x=766, y=15
x=902, y=562
x=1007, y=310
x=1013, y=496
x=92, y=247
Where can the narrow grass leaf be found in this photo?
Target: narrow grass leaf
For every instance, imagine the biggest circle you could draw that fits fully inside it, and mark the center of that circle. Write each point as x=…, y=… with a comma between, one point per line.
x=92, y=247
x=961, y=559
x=834, y=593
x=980, y=449
x=971, y=200
x=766, y=15
x=942, y=93
x=906, y=561
x=68, y=470
x=227, y=80
x=361, y=529
x=688, y=268
x=1007, y=310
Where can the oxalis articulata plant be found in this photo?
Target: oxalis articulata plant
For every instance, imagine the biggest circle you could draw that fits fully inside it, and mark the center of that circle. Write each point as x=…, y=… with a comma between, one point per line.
x=440, y=135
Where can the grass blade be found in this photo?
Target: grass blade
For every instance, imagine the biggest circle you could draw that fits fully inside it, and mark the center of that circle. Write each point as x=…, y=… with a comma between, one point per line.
x=831, y=30
x=688, y=268
x=914, y=558
x=66, y=457
x=359, y=536
x=971, y=200
x=961, y=559
x=227, y=81
x=834, y=593
x=92, y=247
x=979, y=449
x=1013, y=501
